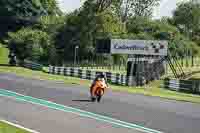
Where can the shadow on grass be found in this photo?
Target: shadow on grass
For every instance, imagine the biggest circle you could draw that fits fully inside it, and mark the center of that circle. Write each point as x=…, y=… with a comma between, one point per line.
x=6, y=65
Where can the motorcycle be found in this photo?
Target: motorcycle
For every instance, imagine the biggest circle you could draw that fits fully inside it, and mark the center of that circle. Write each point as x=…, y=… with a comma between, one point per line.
x=98, y=90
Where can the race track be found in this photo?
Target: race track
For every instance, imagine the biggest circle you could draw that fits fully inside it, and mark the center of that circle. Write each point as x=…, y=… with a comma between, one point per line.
x=164, y=115
x=44, y=120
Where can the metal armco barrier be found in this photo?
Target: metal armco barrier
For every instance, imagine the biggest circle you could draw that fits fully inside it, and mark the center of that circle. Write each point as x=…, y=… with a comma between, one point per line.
x=182, y=85
x=113, y=78
x=32, y=65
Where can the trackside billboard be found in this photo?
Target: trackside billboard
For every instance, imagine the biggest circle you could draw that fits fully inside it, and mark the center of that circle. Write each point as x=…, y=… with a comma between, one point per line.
x=139, y=47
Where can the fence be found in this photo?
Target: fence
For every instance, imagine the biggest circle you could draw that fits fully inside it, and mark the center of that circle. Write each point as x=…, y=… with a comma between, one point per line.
x=182, y=85
x=186, y=63
x=33, y=65
x=113, y=78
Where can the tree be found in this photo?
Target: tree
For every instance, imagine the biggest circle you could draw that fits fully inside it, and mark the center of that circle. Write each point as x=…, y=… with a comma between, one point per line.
x=22, y=8
x=97, y=6
x=81, y=28
x=159, y=29
x=17, y=13
x=187, y=18
x=51, y=7
x=50, y=23
x=128, y=8
x=29, y=44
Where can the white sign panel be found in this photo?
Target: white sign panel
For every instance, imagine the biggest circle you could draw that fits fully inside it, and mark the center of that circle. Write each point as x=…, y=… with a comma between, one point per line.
x=139, y=47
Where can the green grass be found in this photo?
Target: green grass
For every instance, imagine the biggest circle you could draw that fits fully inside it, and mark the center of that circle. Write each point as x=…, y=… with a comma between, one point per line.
x=42, y=76
x=195, y=76
x=3, y=55
x=6, y=128
x=150, y=90
x=186, y=71
x=162, y=93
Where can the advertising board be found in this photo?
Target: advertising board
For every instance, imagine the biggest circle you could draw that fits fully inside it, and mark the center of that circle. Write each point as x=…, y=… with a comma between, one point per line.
x=139, y=47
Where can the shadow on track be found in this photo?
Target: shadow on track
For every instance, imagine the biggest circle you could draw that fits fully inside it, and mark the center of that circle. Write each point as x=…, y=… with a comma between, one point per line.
x=82, y=100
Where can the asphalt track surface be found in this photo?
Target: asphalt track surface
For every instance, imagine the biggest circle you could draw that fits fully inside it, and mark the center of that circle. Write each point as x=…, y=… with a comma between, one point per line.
x=44, y=120
x=160, y=114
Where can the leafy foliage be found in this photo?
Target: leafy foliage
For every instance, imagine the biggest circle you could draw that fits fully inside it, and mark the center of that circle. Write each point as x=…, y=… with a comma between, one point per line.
x=29, y=44
x=53, y=35
x=22, y=8
x=187, y=19
x=51, y=7
x=129, y=8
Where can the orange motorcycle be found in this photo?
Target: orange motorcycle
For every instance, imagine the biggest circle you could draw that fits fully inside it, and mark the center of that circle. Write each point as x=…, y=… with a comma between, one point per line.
x=98, y=90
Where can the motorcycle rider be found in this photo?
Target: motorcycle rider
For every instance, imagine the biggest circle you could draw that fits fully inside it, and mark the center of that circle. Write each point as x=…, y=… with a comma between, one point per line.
x=101, y=77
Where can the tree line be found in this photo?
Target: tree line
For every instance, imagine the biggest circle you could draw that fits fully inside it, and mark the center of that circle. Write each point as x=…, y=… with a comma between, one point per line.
x=38, y=30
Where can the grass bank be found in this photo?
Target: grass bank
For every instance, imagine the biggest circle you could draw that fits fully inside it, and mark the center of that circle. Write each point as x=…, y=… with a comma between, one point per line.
x=7, y=128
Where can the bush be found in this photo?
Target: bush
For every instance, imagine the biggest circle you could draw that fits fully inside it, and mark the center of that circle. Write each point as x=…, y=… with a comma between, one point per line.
x=29, y=44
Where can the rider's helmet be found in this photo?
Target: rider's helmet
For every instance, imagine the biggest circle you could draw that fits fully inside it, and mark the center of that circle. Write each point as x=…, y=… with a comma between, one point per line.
x=100, y=76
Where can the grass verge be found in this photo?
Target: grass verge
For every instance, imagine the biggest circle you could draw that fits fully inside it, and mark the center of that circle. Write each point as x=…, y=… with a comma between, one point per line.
x=42, y=76
x=196, y=76
x=150, y=90
x=6, y=128
x=3, y=55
